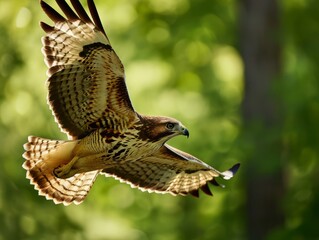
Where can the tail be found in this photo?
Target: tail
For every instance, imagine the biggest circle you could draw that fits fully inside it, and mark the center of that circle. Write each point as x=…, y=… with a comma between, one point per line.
x=42, y=156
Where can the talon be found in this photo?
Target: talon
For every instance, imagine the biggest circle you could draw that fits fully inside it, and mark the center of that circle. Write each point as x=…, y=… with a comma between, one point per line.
x=67, y=170
x=62, y=172
x=58, y=172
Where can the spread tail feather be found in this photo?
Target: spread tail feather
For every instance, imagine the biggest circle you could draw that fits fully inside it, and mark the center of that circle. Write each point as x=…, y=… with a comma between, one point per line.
x=42, y=156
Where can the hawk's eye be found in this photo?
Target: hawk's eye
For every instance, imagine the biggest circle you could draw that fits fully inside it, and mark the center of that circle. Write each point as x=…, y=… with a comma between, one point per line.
x=170, y=126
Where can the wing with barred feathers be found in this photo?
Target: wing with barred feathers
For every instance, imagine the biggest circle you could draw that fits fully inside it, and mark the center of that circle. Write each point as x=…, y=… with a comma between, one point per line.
x=169, y=171
x=86, y=81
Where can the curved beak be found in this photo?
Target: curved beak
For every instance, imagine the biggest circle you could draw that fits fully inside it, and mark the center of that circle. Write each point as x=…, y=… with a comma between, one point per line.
x=185, y=132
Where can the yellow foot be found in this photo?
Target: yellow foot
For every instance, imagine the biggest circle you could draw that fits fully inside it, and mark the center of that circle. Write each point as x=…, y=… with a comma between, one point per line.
x=62, y=171
x=66, y=170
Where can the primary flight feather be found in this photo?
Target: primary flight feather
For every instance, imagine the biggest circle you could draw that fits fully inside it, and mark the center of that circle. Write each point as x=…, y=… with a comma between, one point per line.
x=89, y=99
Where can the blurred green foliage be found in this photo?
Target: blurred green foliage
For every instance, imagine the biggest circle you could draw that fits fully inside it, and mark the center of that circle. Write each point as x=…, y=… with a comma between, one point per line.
x=181, y=60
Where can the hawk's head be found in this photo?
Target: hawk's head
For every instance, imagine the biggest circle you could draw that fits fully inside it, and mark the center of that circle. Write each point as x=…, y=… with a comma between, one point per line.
x=161, y=129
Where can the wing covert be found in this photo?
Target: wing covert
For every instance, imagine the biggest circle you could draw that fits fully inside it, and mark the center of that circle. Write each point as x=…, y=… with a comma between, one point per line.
x=86, y=81
x=169, y=171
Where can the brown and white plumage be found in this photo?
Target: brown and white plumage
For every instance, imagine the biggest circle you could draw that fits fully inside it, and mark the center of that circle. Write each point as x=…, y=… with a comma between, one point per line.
x=88, y=97
x=73, y=189
x=169, y=170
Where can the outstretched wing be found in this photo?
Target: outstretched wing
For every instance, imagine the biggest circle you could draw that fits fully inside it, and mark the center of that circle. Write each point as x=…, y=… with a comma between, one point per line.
x=169, y=171
x=86, y=81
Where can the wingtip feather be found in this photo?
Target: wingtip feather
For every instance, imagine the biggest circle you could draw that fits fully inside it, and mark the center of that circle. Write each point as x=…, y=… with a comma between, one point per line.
x=46, y=27
x=231, y=172
x=194, y=193
x=206, y=190
x=52, y=14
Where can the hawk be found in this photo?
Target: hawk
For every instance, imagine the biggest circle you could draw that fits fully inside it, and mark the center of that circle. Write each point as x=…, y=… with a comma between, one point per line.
x=89, y=100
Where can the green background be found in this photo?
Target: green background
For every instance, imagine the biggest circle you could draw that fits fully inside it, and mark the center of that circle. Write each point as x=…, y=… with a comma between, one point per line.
x=183, y=59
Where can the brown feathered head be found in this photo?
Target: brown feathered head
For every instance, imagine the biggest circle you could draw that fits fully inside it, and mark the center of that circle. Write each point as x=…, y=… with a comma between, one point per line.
x=161, y=129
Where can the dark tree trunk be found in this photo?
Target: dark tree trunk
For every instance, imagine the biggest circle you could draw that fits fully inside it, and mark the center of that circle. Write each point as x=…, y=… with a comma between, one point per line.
x=260, y=48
